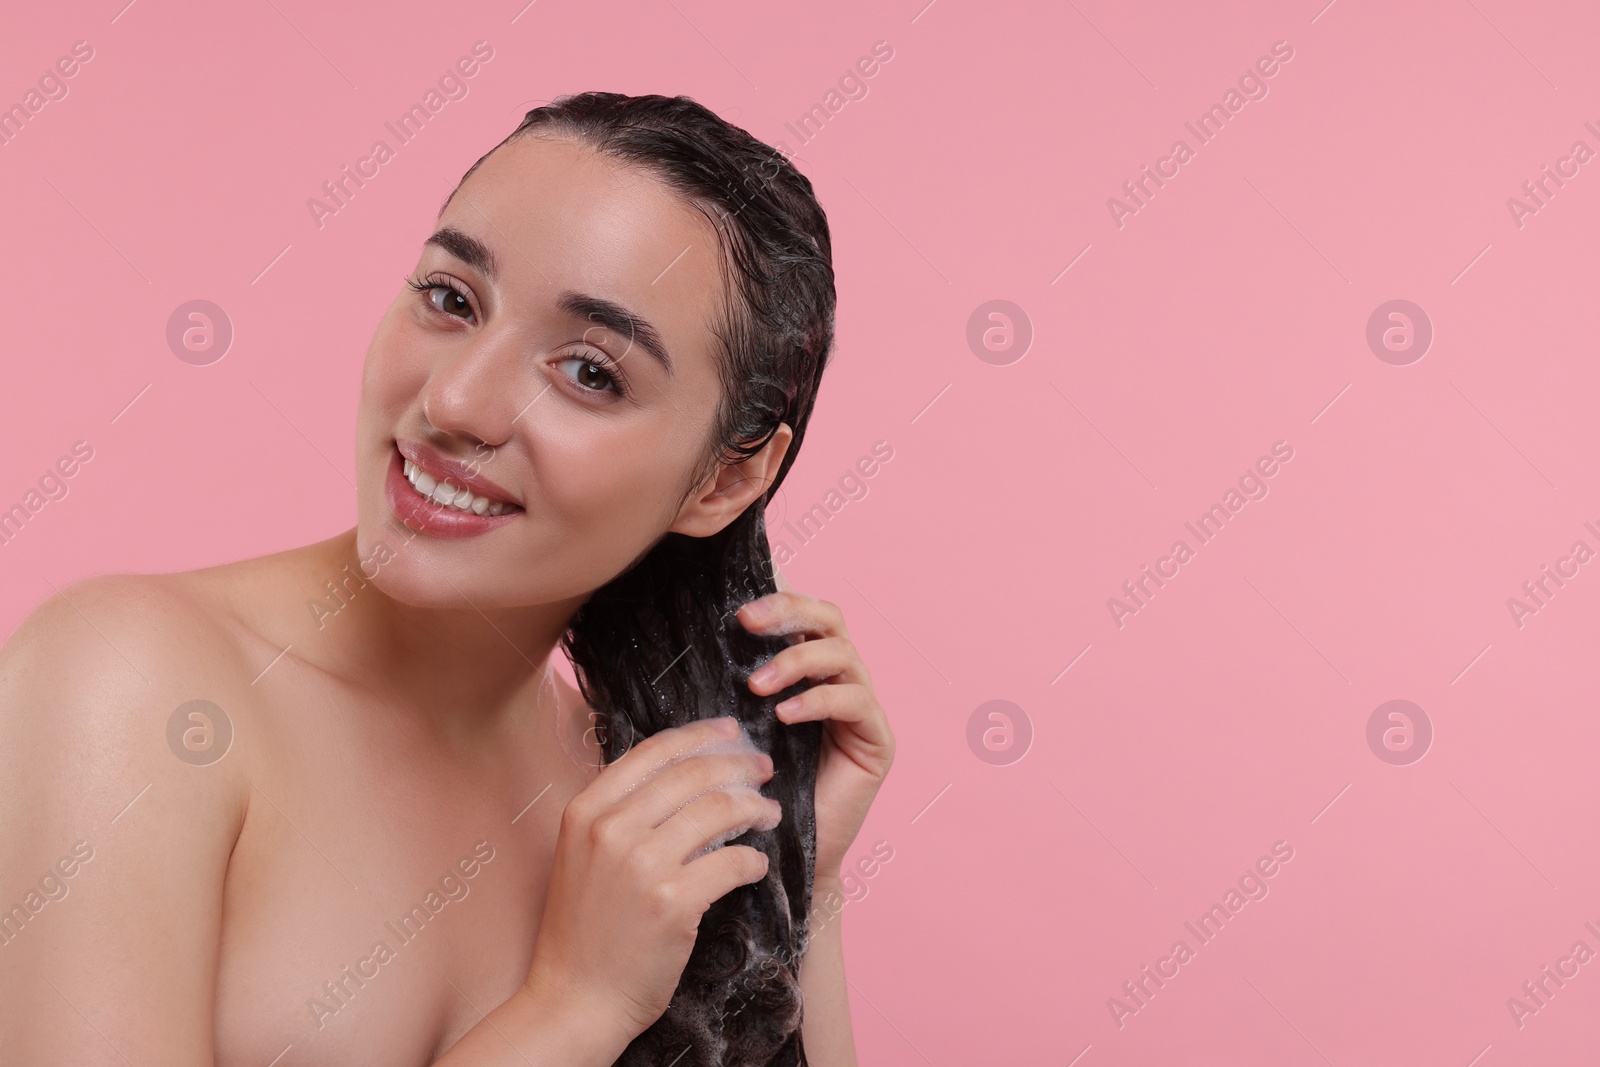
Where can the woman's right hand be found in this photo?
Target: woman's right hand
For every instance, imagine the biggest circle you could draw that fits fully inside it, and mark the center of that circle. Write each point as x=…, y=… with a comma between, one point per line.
x=624, y=904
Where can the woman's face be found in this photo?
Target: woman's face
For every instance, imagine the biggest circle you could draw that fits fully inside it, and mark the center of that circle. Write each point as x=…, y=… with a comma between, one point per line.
x=528, y=388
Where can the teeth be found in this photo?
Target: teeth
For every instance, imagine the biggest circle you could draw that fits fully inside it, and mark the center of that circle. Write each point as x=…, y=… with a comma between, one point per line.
x=449, y=495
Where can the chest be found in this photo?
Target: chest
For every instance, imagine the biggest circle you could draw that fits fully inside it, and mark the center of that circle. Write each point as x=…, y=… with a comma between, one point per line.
x=380, y=899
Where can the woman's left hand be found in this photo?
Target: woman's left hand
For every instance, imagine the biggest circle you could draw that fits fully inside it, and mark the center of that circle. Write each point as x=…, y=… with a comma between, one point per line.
x=857, y=746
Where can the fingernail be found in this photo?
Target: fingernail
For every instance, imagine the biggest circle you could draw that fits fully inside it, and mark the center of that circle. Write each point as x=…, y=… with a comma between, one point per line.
x=764, y=675
x=786, y=707
x=764, y=761
x=727, y=724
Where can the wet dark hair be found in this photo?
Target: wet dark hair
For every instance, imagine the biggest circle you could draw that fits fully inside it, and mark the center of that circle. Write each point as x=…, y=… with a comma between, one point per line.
x=658, y=645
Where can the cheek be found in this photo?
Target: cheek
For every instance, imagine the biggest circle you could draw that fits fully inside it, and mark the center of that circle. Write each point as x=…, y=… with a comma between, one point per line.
x=394, y=371
x=606, y=486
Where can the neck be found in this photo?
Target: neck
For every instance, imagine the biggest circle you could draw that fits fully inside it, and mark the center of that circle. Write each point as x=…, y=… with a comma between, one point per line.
x=459, y=666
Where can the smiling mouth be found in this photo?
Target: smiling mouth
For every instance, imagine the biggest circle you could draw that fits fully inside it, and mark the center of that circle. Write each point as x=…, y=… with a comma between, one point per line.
x=449, y=495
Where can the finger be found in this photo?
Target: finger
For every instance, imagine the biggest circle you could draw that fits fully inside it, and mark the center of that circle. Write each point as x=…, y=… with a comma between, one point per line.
x=713, y=876
x=676, y=786
x=645, y=759
x=710, y=820
x=826, y=658
x=781, y=614
x=866, y=740
x=842, y=702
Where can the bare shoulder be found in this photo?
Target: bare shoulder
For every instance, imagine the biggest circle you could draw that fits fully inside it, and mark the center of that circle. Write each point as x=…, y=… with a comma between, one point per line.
x=130, y=606
x=111, y=800
x=93, y=677
x=116, y=634
x=90, y=681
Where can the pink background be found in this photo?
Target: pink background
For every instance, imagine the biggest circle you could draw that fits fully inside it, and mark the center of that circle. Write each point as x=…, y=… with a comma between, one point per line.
x=1227, y=314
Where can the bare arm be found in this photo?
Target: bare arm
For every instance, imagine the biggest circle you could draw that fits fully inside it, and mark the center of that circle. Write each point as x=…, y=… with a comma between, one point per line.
x=825, y=1027
x=548, y=1026
x=624, y=906
x=112, y=850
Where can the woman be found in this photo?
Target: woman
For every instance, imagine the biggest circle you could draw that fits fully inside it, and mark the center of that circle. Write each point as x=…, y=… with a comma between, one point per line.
x=376, y=829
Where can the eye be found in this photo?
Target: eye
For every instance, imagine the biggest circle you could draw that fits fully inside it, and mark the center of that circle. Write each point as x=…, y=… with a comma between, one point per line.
x=444, y=296
x=592, y=375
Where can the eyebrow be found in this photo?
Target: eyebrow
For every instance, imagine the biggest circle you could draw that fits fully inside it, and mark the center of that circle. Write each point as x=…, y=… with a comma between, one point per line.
x=608, y=313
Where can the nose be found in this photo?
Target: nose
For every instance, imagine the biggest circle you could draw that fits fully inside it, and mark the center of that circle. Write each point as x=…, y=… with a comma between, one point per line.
x=470, y=395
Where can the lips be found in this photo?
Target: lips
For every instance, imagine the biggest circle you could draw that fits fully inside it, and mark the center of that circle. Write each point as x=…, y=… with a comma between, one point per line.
x=425, y=514
x=443, y=469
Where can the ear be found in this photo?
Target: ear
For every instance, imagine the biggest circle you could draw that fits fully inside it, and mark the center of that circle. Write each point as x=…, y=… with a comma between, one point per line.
x=729, y=489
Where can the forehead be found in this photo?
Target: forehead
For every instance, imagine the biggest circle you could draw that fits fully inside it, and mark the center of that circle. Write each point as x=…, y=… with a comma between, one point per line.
x=560, y=216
